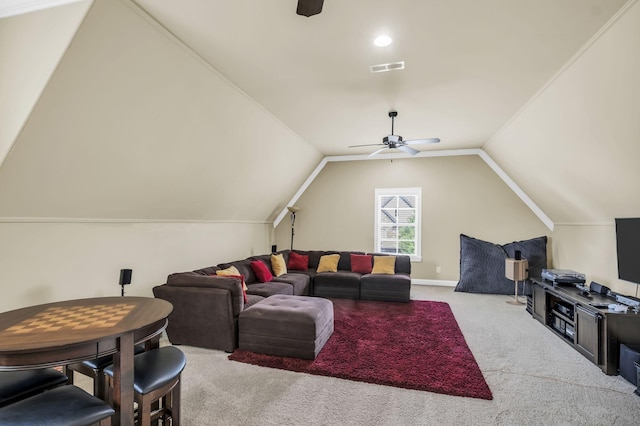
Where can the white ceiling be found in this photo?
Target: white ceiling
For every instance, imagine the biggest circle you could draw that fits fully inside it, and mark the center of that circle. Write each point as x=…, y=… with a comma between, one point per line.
x=470, y=64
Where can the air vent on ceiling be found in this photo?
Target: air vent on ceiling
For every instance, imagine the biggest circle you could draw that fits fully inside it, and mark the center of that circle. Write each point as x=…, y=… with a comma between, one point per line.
x=394, y=66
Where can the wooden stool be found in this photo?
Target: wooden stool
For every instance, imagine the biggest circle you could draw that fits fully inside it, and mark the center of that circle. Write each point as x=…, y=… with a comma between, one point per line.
x=94, y=368
x=17, y=385
x=157, y=376
x=62, y=406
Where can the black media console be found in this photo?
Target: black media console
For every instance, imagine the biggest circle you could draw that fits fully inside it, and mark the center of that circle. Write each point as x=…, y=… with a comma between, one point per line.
x=584, y=321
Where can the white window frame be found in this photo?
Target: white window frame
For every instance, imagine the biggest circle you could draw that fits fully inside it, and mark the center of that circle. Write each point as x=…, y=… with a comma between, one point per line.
x=383, y=192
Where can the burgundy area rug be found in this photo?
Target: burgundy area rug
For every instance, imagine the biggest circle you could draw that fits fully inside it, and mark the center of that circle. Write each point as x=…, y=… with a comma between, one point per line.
x=415, y=345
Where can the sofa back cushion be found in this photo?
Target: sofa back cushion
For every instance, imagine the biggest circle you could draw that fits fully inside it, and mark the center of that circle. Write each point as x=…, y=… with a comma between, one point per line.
x=345, y=260
x=209, y=270
x=244, y=267
x=314, y=257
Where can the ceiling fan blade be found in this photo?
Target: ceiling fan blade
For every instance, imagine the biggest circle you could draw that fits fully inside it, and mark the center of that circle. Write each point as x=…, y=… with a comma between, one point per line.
x=309, y=7
x=377, y=152
x=419, y=141
x=408, y=149
x=369, y=144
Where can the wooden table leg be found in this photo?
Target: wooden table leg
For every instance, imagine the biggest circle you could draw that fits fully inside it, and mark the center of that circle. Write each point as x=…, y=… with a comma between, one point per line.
x=151, y=344
x=123, y=381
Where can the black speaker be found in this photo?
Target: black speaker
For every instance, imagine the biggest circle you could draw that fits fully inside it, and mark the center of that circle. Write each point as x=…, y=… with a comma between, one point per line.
x=598, y=288
x=518, y=255
x=125, y=276
x=274, y=248
x=309, y=7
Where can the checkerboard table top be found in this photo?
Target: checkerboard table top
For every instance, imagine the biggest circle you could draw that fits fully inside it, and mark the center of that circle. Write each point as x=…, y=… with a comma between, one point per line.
x=77, y=317
x=79, y=321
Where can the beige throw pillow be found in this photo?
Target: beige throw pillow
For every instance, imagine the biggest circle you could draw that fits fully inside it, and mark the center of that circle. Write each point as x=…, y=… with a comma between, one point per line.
x=278, y=264
x=329, y=263
x=384, y=265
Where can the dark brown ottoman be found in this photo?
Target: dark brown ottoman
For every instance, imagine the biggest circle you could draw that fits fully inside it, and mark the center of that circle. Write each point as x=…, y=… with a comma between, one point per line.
x=284, y=325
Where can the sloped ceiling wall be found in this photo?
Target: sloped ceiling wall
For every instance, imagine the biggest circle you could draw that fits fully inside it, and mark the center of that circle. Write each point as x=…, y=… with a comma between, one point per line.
x=132, y=125
x=31, y=46
x=575, y=147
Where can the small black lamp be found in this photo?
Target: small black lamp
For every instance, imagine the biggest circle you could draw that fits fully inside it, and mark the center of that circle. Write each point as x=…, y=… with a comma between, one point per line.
x=125, y=278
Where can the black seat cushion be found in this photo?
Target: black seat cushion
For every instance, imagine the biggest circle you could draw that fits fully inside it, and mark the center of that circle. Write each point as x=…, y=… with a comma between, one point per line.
x=17, y=385
x=154, y=369
x=341, y=284
x=62, y=406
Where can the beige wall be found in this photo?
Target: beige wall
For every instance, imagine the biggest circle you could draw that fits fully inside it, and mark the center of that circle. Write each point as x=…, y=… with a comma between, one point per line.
x=575, y=148
x=591, y=249
x=133, y=128
x=133, y=125
x=45, y=262
x=459, y=195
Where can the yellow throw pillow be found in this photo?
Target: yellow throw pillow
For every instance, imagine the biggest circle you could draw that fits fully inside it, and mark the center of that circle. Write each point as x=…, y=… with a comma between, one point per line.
x=278, y=264
x=384, y=265
x=232, y=271
x=328, y=263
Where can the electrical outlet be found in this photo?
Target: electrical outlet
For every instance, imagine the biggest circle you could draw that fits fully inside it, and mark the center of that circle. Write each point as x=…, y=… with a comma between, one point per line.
x=438, y=269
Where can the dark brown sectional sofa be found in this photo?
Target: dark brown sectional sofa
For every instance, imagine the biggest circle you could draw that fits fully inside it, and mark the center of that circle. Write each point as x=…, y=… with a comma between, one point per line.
x=206, y=306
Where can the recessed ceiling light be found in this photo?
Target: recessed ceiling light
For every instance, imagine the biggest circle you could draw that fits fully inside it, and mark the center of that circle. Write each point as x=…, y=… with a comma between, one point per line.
x=382, y=41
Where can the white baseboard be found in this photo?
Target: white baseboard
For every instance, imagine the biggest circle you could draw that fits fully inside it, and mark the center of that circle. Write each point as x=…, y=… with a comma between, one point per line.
x=441, y=283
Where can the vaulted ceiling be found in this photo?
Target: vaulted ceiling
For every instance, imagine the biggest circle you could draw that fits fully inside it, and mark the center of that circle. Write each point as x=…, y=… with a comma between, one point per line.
x=157, y=109
x=470, y=65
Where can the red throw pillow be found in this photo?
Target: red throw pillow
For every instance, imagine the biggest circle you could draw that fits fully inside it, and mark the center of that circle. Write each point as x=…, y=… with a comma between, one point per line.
x=298, y=262
x=361, y=263
x=263, y=274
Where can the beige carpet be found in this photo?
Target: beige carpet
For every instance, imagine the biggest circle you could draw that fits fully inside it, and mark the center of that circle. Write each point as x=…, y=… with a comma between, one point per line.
x=535, y=377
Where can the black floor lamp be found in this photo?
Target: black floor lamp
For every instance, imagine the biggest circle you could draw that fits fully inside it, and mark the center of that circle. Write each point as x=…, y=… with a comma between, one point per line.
x=293, y=210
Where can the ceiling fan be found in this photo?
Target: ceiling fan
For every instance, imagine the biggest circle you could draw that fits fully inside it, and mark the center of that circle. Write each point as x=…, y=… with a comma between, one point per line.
x=309, y=7
x=395, y=141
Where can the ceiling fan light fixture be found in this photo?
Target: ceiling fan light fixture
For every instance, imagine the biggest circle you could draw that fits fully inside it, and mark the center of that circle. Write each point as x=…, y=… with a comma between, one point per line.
x=382, y=40
x=394, y=141
x=391, y=139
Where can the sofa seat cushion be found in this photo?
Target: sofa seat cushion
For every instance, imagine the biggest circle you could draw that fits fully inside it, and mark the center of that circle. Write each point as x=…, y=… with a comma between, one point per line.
x=252, y=299
x=281, y=325
x=301, y=282
x=269, y=289
x=341, y=284
x=391, y=288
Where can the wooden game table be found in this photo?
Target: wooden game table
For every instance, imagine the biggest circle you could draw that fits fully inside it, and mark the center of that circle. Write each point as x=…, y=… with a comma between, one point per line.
x=66, y=332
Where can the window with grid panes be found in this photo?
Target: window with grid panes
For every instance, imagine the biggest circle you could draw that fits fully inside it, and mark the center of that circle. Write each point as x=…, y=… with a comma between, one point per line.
x=397, y=222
